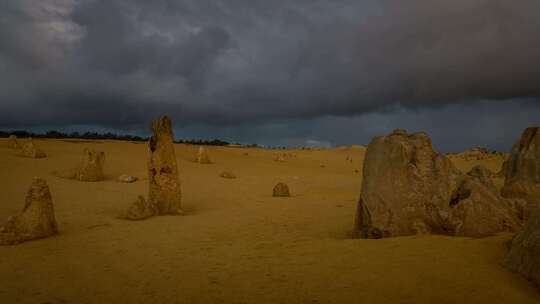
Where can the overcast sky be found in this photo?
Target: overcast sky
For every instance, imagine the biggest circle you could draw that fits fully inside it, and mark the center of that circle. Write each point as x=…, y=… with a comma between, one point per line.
x=277, y=72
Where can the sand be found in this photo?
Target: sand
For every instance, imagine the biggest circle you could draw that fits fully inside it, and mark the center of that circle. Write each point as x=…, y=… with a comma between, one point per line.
x=235, y=243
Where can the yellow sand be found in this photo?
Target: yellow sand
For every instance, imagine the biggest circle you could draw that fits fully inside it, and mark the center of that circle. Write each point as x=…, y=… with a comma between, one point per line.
x=236, y=243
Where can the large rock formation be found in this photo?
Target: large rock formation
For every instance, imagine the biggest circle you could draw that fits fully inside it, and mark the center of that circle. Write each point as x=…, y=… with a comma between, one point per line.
x=164, y=189
x=522, y=169
x=408, y=189
x=37, y=219
x=164, y=195
x=202, y=156
x=12, y=142
x=29, y=149
x=524, y=255
x=91, y=167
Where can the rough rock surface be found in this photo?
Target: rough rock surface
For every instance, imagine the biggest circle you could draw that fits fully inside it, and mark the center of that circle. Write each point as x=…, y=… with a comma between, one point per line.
x=281, y=190
x=29, y=149
x=141, y=209
x=164, y=191
x=202, y=156
x=522, y=169
x=37, y=219
x=409, y=189
x=227, y=174
x=91, y=167
x=483, y=175
x=524, y=255
x=13, y=143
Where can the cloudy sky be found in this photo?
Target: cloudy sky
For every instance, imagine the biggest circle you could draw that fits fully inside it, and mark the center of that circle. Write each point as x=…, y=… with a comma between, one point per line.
x=278, y=72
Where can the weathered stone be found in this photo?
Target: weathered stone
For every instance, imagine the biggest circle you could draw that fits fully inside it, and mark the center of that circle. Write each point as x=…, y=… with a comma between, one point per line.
x=524, y=255
x=141, y=209
x=410, y=189
x=202, y=156
x=29, y=149
x=522, y=169
x=164, y=191
x=12, y=142
x=281, y=190
x=91, y=167
x=125, y=178
x=37, y=219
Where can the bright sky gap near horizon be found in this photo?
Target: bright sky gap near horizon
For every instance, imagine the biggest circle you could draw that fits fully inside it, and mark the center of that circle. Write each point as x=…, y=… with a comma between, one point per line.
x=280, y=73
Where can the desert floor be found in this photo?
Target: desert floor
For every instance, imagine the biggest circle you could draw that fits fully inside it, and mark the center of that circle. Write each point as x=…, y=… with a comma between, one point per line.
x=236, y=243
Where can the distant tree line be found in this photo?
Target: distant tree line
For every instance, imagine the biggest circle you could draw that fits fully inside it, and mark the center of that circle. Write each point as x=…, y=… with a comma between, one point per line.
x=202, y=142
x=93, y=135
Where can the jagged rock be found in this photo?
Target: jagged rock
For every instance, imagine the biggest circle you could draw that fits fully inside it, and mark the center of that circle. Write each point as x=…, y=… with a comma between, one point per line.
x=164, y=190
x=29, y=149
x=37, y=219
x=12, y=142
x=524, y=255
x=281, y=190
x=227, y=174
x=91, y=167
x=409, y=189
x=202, y=156
x=522, y=169
x=124, y=178
x=141, y=209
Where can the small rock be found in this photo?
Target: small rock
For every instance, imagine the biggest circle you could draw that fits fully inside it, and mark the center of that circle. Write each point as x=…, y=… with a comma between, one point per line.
x=36, y=221
x=30, y=150
x=281, y=190
x=124, y=178
x=91, y=167
x=227, y=174
x=13, y=143
x=202, y=156
x=141, y=209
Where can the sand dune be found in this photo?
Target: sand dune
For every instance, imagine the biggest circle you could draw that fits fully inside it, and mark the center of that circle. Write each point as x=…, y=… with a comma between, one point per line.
x=236, y=243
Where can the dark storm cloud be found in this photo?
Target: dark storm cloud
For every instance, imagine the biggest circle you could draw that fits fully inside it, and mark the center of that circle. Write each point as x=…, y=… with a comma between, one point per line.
x=119, y=63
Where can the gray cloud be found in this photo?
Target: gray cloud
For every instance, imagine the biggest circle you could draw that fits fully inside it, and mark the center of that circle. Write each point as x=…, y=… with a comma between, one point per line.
x=253, y=62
